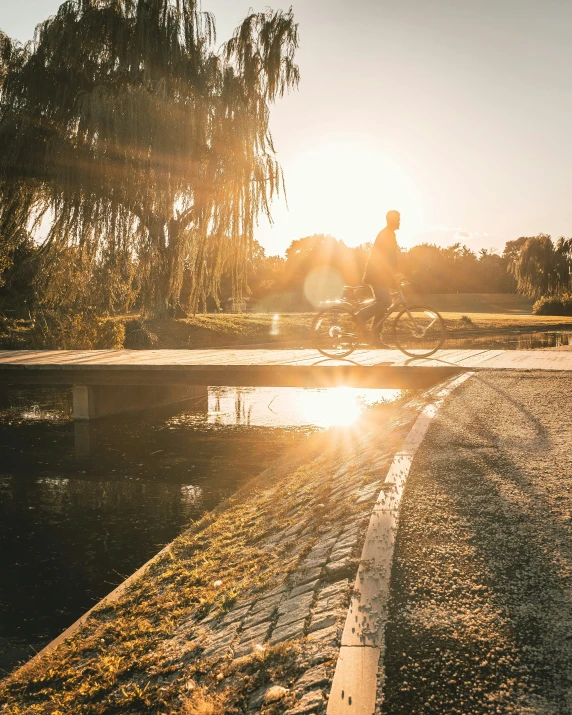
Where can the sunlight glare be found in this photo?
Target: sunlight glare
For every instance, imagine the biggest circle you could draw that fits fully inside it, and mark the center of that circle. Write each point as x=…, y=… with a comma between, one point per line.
x=336, y=407
x=295, y=407
x=323, y=283
x=275, y=326
x=344, y=187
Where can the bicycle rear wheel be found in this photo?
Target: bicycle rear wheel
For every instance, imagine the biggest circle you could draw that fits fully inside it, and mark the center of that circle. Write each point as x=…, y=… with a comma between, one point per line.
x=336, y=332
x=419, y=331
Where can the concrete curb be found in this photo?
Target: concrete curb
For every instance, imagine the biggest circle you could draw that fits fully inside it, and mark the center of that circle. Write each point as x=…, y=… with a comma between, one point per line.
x=355, y=685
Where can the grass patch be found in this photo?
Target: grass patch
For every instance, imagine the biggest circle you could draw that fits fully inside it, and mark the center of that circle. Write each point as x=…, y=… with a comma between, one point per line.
x=219, y=330
x=508, y=303
x=210, y=331
x=501, y=322
x=292, y=329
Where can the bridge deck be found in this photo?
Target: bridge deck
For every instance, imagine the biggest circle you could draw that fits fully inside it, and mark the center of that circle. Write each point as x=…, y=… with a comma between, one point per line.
x=364, y=368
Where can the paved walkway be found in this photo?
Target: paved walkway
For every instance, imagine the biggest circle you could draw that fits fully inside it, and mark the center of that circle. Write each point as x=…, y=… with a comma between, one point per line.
x=480, y=614
x=296, y=368
x=556, y=359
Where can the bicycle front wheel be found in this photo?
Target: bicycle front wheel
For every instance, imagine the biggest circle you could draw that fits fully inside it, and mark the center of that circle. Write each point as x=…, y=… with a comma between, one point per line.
x=419, y=331
x=336, y=331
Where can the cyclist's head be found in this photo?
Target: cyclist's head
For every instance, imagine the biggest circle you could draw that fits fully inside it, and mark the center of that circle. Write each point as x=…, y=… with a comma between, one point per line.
x=393, y=219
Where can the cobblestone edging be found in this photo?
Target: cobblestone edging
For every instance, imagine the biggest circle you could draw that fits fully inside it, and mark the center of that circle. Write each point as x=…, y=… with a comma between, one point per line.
x=308, y=608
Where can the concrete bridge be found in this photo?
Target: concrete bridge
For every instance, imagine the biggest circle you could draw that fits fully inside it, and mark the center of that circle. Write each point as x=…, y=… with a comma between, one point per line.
x=107, y=382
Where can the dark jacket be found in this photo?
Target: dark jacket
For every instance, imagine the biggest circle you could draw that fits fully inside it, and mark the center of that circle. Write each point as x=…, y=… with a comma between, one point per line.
x=382, y=264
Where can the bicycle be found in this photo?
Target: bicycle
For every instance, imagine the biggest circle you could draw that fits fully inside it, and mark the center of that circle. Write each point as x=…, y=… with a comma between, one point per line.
x=418, y=330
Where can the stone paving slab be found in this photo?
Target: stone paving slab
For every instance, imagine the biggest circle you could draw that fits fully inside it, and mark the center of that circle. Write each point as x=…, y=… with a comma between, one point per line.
x=287, y=632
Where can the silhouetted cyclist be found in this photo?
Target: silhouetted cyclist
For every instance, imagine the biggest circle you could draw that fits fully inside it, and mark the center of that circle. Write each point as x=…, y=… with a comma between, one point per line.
x=381, y=271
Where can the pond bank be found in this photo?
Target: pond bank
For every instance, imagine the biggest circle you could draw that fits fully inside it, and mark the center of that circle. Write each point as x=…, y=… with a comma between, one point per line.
x=252, y=596
x=293, y=330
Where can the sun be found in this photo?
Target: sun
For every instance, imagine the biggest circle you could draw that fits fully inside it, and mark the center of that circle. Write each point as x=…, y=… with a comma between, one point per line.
x=344, y=187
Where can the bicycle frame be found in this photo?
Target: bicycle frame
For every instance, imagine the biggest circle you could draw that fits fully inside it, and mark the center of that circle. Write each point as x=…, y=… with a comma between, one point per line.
x=400, y=302
x=347, y=336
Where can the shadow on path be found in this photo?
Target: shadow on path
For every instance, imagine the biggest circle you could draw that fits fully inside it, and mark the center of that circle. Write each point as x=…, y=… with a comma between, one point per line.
x=481, y=613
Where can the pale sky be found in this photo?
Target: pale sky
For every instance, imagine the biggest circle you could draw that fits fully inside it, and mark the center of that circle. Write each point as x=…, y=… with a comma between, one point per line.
x=455, y=112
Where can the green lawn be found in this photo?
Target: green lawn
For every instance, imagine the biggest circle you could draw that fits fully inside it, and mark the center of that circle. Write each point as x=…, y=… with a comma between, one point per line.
x=218, y=330
x=497, y=303
x=501, y=322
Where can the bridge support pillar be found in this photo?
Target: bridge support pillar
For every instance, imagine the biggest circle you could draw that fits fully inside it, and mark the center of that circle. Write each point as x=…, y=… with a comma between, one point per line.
x=82, y=438
x=93, y=401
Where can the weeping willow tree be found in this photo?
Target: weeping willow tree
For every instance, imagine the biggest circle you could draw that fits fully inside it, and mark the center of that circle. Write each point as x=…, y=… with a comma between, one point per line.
x=134, y=140
x=8, y=56
x=542, y=268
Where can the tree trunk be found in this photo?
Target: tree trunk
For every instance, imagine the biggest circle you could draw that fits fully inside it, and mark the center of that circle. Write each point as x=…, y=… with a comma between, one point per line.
x=157, y=294
x=165, y=271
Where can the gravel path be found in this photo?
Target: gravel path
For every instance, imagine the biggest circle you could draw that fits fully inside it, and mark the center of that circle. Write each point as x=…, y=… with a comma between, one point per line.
x=481, y=609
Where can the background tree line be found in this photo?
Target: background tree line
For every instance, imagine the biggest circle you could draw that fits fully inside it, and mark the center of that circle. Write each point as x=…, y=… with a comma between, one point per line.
x=533, y=266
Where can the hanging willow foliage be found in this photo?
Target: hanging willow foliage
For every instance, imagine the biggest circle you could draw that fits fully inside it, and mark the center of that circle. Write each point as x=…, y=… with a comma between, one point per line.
x=541, y=268
x=122, y=126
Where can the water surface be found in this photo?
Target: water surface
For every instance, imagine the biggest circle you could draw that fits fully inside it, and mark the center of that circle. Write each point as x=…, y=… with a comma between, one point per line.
x=512, y=341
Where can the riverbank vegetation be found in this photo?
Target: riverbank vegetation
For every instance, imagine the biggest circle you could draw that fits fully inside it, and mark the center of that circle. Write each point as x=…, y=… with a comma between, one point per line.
x=205, y=331
x=554, y=305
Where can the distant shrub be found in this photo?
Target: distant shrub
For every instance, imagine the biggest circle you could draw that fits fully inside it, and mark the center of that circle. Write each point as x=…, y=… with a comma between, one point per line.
x=138, y=336
x=66, y=330
x=553, y=305
x=110, y=334
x=466, y=321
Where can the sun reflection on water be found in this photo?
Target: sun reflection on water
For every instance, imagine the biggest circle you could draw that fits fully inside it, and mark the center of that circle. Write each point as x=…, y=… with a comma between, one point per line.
x=288, y=406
